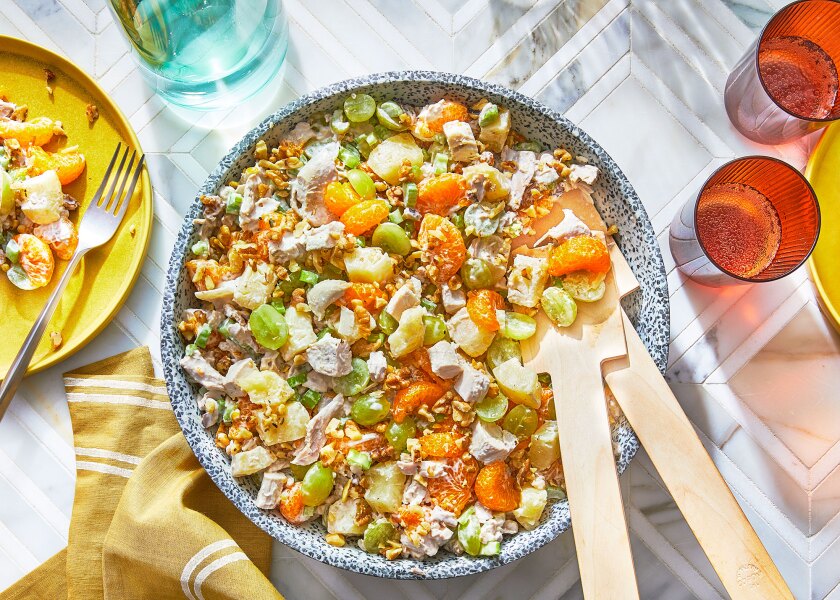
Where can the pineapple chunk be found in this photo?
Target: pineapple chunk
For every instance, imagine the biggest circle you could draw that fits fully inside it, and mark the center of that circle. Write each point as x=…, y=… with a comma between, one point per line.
x=386, y=487
x=531, y=506
x=518, y=383
x=293, y=426
x=266, y=388
x=367, y=265
x=471, y=338
x=341, y=518
x=494, y=135
x=499, y=185
x=387, y=158
x=301, y=334
x=408, y=337
x=44, y=198
x=545, y=446
x=254, y=288
x=250, y=461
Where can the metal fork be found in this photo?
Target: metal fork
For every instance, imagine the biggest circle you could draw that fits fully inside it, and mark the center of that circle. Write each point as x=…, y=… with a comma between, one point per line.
x=100, y=222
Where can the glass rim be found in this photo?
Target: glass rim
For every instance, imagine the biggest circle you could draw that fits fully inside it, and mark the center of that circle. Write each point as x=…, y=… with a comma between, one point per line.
x=758, y=42
x=814, y=200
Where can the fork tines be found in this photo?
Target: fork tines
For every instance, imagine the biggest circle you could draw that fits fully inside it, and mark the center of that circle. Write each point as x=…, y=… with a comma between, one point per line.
x=112, y=202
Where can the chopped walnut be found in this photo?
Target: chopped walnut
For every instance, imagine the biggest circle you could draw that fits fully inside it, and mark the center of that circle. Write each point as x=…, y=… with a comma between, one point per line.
x=49, y=77
x=56, y=339
x=92, y=113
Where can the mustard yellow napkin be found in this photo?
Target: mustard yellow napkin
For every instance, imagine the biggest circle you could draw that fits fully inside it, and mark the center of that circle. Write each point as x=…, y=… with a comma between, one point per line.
x=147, y=521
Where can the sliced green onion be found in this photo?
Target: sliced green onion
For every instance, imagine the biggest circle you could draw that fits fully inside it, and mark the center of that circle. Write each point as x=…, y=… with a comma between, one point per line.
x=441, y=163
x=362, y=183
x=555, y=493
x=359, y=459
x=372, y=140
x=458, y=220
x=279, y=307
x=310, y=399
x=382, y=133
x=338, y=125
x=489, y=114
x=296, y=379
x=308, y=277
x=363, y=146
x=224, y=328
x=203, y=335
x=13, y=251
x=201, y=248
x=349, y=155
x=376, y=338
x=395, y=216
x=226, y=415
x=490, y=549
x=190, y=349
x=428, y=305
x=387, y=323
x=234, y=203
x=410, y=194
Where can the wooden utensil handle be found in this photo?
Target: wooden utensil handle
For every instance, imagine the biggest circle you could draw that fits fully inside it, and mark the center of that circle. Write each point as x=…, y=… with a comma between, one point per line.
x=598, y=520
x=721, y=528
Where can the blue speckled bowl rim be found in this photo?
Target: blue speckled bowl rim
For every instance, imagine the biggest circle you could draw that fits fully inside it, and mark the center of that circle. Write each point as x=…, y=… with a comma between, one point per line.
x=172, y=347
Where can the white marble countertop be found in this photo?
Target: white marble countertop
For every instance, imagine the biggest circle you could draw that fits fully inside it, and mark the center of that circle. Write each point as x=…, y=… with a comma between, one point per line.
x=645, y=78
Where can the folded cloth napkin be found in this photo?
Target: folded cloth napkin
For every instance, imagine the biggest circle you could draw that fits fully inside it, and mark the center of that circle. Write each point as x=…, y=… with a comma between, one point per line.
x=147, y=521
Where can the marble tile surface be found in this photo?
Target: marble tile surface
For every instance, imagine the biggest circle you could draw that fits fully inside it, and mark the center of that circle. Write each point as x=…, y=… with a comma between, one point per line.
x=756, y=369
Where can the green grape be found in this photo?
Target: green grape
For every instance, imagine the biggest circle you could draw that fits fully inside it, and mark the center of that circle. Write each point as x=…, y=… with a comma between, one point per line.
x=435, y=330
x=370, y=409
x=584, y=287
x=299, y=471
x=268, y=327
x=359, y=107
x=501, y=350
x=391, y=238
x=476, y=273
x=337, y=123
x=317, y=484
x=355, y=381
x=492, y=408
x=521, y=421
x=362, y=183
x=518, y=326
x=469, y=532
x=397, y=434
x=349, y=155
x=559, y=306
x=387, y=323
x=376, y=534
x=388, y=114
x=481, y=219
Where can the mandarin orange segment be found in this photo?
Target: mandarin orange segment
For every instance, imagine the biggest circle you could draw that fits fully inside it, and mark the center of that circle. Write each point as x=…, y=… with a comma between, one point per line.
x=409, y=399
x=441, y=445
x=291, y=504
x=453, y=490
x=61, y=235
x=36, y=259
x=443, y=245
x=420, y=358
x=495, y=488
x=440, y=193
x=364, y=216
x=36, y=132
x=338, y=197
x=482, y=305
x=579, y=253
x=449, y=111
x=67, y=165
x=372, y=298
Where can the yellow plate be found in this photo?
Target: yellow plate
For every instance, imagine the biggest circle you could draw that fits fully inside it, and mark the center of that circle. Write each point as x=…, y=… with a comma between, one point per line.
x=103, y=280
x=823, y=171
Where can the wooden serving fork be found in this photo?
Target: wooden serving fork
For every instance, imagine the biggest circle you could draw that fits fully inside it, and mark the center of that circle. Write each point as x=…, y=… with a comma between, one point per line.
x=573, y=357
x=720, y=526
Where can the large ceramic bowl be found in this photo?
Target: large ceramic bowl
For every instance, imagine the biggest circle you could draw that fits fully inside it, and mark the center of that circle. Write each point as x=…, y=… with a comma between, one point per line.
x=617, y=202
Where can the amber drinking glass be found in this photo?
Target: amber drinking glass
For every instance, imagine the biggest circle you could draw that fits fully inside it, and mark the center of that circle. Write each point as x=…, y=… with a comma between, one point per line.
x=786, y=85
x=756, y=219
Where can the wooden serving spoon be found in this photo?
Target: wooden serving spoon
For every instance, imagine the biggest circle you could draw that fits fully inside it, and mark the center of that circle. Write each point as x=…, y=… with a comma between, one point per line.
x=720, y=526
x=573, y=357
